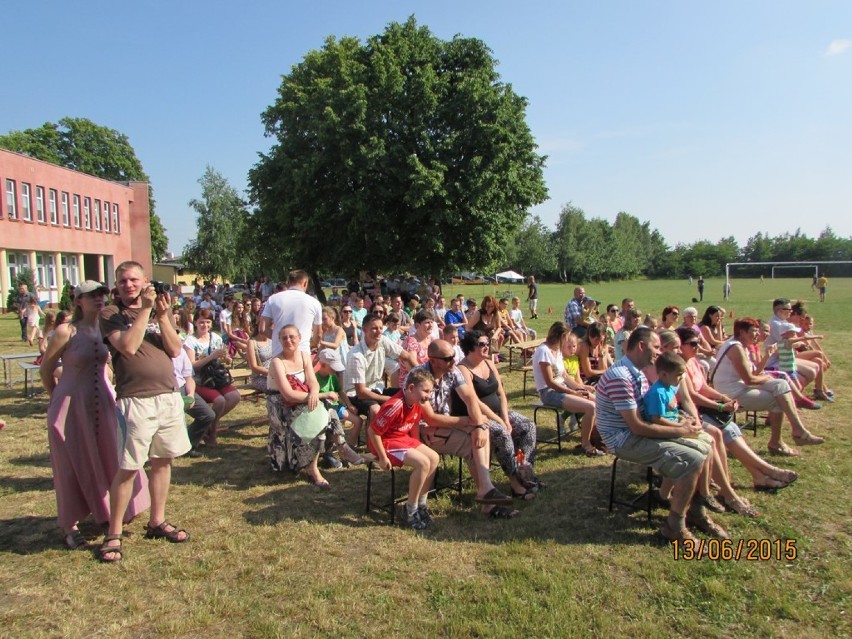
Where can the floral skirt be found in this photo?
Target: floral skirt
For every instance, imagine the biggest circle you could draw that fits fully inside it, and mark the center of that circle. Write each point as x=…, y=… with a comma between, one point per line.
x=286, y=449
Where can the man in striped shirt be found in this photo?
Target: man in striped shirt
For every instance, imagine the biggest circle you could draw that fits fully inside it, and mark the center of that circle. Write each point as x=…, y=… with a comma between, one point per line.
x=677, y=453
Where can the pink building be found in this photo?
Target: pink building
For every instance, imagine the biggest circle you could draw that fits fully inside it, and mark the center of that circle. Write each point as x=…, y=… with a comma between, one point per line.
x=66, y=225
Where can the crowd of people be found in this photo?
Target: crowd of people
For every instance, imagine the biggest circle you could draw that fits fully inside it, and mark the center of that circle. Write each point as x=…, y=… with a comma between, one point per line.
x=419, y=378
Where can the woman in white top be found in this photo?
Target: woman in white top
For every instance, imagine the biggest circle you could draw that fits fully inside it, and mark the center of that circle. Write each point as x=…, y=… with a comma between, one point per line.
x=735, y=378
x=554, y=389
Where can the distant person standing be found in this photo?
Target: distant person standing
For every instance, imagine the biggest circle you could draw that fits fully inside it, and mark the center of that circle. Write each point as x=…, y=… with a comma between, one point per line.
x=814, y=282
x=726, y=290
x=822, y=284
x=23, y=301
x=700, y=288
x=532, y=297
x=690, y=280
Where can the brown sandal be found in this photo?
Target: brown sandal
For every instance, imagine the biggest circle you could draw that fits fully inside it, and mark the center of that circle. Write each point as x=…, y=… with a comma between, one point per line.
x=166, y=531
x=105, y=550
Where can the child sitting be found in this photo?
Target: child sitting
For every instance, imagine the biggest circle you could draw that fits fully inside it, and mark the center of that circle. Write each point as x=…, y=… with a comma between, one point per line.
x=394, y=438
x=328, y=372
x=659, y=406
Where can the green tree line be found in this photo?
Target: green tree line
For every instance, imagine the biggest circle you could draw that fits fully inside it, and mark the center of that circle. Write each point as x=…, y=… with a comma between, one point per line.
x=582, y=249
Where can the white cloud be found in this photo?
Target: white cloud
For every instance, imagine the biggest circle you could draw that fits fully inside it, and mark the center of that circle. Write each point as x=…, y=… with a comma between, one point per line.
x=837, y=47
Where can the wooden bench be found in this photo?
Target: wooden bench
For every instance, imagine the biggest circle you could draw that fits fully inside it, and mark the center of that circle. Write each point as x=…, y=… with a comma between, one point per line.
x=525, y=349
x=8, y=358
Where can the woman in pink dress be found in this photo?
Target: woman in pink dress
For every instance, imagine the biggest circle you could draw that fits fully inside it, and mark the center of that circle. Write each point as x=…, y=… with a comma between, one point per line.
x=82, y=426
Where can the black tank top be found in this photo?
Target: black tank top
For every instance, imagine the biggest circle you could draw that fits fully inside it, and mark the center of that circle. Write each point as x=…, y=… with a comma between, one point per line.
x=486, y=391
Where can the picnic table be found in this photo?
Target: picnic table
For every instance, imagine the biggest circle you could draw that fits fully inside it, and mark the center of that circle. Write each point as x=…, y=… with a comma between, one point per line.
x=30, y=388
x=8, y=358
x=525, y=349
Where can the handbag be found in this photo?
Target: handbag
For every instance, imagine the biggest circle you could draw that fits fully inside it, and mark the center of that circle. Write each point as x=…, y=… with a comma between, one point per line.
x=723, y=417
x=215, y=374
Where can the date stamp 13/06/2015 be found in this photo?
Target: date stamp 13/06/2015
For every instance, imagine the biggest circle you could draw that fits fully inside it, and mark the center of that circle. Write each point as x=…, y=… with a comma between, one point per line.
x=736, y=549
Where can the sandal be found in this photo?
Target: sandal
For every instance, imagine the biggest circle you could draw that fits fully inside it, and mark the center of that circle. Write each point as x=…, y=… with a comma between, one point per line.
x=708, y=527
x=770, y=484
x=782, y=475
x=783, y=450
x=526, y=495
x=503, y=512
x=711, y=503
x=74, y=540
x=741, y=507
x=166, y=531
x=808, y=439
x=117, y=552
x=494, y=496
x=676, y=535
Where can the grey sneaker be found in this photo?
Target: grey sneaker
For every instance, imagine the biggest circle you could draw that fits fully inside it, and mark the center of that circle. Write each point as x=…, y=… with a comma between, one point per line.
x=425, y=515
x=412, y=521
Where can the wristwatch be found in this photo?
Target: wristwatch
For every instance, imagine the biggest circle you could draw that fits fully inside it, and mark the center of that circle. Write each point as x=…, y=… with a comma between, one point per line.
x=482, y=427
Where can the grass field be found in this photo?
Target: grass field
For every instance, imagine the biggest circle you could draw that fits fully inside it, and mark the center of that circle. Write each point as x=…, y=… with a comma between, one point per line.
x=272, y=557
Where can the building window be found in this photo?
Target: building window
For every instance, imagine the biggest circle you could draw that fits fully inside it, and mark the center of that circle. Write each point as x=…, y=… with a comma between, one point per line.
x=51, y=202
x=26, y=208
x=11, y=200
x=69, y=269
x=106, y=217
x=66, y=220
x=87, y=212
x=97, y=215
x=40, y=205
x=116, y=227
x=45, y=273
x=17, y=262
x=76, y=211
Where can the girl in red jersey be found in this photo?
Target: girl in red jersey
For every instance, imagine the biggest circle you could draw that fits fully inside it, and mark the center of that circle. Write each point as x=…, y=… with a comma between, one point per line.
x=394, y=438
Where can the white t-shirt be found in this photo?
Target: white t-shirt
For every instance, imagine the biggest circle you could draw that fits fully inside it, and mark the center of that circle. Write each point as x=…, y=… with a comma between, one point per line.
x=294, y=307
x=225, y=318
x=543, y=355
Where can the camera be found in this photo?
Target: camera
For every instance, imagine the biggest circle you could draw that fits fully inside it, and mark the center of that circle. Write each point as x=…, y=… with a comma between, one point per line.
x=161, y=287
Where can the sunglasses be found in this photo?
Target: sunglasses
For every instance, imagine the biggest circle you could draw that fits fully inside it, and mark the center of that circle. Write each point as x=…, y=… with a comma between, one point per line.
x=483, y=344
x=447, y=359
x=693, y=344
x=346, y=310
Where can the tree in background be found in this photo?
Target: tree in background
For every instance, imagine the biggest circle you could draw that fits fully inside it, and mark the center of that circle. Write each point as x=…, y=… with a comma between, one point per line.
x=24, y=276
x=403, y=153
x=66, y=300
x=532, y=251
x=219, y=248
x=82, y=145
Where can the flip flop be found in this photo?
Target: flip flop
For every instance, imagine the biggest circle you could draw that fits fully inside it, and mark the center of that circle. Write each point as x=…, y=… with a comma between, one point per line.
x=494, y=496
x=503, y=512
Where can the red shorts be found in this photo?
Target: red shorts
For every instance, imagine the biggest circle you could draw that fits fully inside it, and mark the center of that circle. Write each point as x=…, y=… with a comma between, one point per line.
x=209, y=395
x=397, y=447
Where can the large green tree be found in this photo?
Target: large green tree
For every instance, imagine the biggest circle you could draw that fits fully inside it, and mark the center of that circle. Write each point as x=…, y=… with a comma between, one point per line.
x=403, y=152
x=82, y=145
x=218, y=248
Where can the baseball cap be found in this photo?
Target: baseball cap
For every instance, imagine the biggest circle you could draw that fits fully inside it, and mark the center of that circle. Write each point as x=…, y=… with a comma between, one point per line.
x=90, y=286
x=332, y=358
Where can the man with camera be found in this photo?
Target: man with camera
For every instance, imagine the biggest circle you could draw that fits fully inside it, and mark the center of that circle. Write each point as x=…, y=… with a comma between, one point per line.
x=143, y=339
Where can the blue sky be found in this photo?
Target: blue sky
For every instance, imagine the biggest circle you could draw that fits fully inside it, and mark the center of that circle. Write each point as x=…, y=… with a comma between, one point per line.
x=705, y=119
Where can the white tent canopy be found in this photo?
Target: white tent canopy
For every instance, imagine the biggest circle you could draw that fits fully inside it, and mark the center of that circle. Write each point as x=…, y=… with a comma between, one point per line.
x=510, y=275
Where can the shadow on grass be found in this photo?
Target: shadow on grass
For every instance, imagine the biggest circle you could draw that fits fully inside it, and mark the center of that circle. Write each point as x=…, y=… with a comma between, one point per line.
x=26, y=484
x=39, y=460
x=29, y=535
